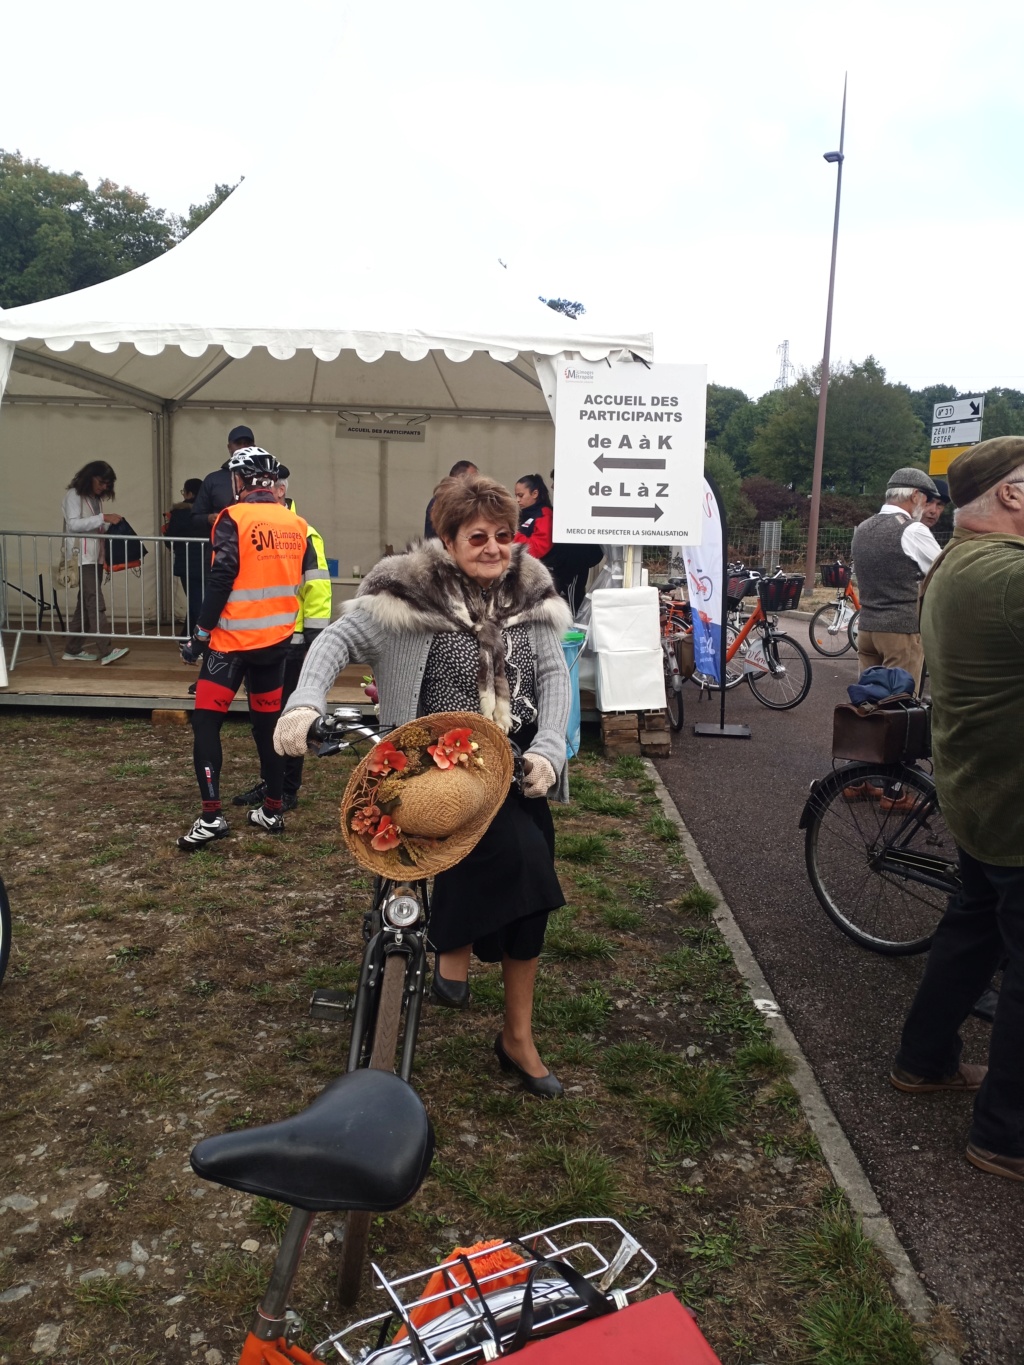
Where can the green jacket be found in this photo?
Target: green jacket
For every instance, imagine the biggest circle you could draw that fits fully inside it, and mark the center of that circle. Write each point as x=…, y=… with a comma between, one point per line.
x=314, y=594
x=972, y=628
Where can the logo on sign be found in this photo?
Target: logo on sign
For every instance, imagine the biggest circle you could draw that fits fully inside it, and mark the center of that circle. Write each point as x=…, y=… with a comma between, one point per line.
x=944, y=411
x=577, y=376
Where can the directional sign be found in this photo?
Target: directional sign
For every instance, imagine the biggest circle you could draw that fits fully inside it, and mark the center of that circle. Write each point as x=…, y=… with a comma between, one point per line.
x=960, y=410
x=629, y=452
x=956, y=434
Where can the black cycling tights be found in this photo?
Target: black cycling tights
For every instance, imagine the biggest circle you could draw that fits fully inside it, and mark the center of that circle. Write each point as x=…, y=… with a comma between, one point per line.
x=219, y=679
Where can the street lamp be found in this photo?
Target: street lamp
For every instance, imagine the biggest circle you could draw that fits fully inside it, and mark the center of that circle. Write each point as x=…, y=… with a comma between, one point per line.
x=836, y=159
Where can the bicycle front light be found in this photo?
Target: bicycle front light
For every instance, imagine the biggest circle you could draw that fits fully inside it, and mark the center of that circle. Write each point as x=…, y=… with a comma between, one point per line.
x=401, y=910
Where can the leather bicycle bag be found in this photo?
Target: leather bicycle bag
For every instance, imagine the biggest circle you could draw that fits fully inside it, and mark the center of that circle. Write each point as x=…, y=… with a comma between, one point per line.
x=894, y=730
x=687, y=665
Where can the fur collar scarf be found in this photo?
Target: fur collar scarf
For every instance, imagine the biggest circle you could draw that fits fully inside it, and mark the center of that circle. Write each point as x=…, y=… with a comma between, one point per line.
x=424, y=591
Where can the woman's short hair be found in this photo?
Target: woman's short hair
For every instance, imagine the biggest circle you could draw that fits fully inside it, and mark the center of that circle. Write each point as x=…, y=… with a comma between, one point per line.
x=458, y=501
x=95, y=469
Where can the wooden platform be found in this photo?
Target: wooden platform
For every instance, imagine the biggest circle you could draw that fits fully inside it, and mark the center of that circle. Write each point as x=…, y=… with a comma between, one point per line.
x=150, y=677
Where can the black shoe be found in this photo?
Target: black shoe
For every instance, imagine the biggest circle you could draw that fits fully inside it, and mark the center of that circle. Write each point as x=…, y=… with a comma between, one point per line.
x=253, y=797
x=191, y=689
x=289, y=801
x=985, y=1005
x=547, y=1087
x=454, y=994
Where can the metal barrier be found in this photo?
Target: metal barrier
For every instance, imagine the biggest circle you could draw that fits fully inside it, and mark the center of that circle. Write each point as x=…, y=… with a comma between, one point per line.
x=143, y=603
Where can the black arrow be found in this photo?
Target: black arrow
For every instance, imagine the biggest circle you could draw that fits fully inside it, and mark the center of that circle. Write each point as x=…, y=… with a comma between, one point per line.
x=975, y=409
x=652, y=513
x=604, y=462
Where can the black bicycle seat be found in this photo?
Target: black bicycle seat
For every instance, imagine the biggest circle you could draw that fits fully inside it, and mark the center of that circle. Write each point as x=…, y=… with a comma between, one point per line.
x=364, y=1143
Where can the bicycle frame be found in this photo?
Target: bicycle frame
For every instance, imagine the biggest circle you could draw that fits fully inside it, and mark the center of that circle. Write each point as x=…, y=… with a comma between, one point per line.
x=382, y=940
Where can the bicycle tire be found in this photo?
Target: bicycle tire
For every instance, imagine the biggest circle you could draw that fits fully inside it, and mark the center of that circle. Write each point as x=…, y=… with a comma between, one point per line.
x=852, y=629
x=852, y=848
x=356, y=1237
x=674, y=694
x=829, y=632
x=781, y=691
x=5, y=929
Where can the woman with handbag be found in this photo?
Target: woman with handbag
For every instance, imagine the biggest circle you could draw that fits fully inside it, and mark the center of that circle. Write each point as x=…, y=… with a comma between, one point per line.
x=86, y=523
x=470, y=622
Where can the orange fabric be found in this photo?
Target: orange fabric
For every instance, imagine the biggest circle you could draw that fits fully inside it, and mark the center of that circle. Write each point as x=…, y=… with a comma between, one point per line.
x=271, y=548
x=452, y=1273
x=257, y=1352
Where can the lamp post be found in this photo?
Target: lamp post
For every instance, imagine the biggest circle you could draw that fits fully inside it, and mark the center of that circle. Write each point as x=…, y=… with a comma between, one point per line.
x=835, y=158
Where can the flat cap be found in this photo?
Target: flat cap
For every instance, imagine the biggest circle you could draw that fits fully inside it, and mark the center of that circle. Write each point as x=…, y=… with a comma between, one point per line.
x=982, y=467
x=909, y=477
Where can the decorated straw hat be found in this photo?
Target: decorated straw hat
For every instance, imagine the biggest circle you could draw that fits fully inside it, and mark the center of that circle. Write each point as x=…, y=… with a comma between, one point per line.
x=422, y=798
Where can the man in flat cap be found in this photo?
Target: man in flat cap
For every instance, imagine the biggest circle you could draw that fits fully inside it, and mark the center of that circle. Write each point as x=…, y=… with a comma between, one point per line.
x=972, y=623
x=892, y=552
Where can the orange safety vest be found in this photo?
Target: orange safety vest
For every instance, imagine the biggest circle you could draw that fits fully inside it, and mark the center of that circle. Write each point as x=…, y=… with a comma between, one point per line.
x=264, y=603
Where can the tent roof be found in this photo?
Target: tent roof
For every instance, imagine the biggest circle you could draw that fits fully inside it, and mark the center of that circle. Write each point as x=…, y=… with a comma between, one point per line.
x=338, y=282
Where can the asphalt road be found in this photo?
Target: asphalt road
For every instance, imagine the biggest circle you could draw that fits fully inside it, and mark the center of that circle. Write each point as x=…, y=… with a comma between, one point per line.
x=741, y=800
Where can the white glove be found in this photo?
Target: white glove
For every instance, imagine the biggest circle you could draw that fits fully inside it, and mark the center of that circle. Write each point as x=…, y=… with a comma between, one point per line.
x=539, y=776
x=292, y=731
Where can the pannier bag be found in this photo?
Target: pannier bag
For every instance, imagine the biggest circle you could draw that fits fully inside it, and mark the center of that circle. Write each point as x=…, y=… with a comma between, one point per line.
x=896, y=730
x=122, y=548
x=780, y=594
x=835, y=575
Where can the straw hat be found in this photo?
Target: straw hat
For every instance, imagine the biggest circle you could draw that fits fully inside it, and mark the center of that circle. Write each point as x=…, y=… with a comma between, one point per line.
x=410, y=812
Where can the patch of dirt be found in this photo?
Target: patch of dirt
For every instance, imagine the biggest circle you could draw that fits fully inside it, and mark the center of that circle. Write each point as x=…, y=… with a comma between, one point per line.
x=154, y=998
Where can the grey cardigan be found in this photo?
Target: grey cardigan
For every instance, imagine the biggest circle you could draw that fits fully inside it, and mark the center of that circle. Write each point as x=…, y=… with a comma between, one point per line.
x=399, y=659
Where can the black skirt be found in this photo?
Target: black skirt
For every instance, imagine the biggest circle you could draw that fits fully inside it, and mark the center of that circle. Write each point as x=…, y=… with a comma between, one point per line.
x=499, y=897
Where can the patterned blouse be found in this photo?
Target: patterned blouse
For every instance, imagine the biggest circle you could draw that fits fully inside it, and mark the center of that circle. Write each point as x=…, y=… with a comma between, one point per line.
x=450, y=680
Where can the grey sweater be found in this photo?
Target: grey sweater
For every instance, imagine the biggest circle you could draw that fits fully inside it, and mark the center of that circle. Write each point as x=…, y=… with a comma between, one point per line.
x=399, y=658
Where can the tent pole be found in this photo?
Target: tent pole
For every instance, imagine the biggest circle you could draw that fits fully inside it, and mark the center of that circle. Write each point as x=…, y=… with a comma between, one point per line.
x=382, y=497
x=163, y=496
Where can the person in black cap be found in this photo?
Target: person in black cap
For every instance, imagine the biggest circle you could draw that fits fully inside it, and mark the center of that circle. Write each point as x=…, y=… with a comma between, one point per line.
x=892, y=552
x=216, y=492
x=936, y=504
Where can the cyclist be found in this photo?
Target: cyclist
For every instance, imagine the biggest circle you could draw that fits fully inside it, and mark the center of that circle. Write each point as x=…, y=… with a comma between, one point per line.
x=260, y=552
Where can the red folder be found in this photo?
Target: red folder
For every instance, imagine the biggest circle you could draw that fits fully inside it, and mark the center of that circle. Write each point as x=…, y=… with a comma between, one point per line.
x=657, y=1330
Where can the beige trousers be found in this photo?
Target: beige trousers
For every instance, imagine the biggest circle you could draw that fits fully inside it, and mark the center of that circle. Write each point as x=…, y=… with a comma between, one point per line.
x=891, y=649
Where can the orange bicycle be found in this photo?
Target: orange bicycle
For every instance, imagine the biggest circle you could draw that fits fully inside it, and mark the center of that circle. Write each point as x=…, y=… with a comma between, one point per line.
x=833, y=628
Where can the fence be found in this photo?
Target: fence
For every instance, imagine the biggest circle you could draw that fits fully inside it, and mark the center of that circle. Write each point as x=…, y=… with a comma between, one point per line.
x=142, y=603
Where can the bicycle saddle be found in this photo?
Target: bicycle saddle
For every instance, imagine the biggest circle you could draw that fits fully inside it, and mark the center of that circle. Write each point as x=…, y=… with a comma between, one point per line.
x=364, y=1143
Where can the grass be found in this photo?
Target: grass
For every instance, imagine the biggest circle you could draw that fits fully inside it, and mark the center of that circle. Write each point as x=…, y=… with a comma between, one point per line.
x=108, y=1294
x=582, y=848
x=705, y=1105
x=566, y=941
x=592, y=796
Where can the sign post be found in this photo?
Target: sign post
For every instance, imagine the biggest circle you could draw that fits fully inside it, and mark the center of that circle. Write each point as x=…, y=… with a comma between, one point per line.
x=956, y=426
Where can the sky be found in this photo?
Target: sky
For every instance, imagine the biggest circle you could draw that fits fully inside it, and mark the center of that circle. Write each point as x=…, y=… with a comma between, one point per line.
x=660, y=162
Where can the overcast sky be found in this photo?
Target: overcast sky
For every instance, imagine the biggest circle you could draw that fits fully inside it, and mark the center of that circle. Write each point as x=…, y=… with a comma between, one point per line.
x=661, y=162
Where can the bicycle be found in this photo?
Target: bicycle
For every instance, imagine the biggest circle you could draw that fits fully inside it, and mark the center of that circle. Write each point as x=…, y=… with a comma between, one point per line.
x=367, y=1140
x=880, y=858
x=392, y=978
x=833, y=627
x=5, y=929
x=675, y=627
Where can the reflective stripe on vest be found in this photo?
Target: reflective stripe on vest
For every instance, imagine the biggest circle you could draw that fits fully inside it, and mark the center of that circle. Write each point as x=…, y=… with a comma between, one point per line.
x=263, y=604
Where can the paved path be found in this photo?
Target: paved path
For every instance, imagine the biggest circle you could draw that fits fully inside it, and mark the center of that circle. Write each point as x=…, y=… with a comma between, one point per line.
x=741, y=800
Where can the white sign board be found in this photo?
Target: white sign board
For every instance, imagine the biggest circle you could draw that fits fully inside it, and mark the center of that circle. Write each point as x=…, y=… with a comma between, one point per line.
x=956, y=434
x=629, y=452
x=960, y=410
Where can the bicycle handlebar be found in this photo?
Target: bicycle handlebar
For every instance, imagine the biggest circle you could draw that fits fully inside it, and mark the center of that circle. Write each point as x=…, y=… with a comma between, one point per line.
x=340, y=730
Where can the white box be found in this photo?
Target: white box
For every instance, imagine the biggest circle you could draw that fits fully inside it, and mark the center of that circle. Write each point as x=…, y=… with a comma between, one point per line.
x=632, y=681
x=625, y=619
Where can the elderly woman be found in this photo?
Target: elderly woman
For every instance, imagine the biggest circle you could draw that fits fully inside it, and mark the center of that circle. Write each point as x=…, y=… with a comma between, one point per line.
x=470, y=622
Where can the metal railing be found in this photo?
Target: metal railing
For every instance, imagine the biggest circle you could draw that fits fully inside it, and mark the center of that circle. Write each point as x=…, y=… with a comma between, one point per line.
x=142, y=603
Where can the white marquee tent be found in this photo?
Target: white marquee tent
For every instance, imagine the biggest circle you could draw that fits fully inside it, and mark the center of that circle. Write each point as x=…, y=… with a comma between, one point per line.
x=303, y=321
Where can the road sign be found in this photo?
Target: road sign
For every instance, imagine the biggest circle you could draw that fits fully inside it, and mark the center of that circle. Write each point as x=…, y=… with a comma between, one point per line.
x=942, y=457
x=960, y=410
x=629, y=452
x=956, y=434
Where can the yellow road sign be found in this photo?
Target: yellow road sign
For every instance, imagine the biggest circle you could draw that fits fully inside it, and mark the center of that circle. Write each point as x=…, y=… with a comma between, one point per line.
x=942, y=457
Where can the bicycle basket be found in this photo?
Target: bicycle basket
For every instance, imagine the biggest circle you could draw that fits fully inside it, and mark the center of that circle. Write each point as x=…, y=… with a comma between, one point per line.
x=780, y=594
x=835, y=575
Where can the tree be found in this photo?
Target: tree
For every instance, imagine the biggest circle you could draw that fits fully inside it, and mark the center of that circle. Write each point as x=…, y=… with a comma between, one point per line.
x=198, y=213
x=870, y=430
x=57, y=234
x=1004, y=413
x=571, y=310
x=739, y=510
x=721, y=404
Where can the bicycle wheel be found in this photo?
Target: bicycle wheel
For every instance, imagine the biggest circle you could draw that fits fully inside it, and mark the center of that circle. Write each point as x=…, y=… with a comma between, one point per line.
x=880, y=858
x=851, y=629
x=829, y=629
x=5, y=928
x=382, y=1058
x=674, y=687
x=787, y=679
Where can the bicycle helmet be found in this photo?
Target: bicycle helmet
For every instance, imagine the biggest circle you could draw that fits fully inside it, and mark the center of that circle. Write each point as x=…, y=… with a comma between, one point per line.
x=253, y=463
